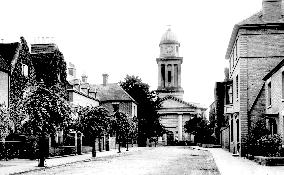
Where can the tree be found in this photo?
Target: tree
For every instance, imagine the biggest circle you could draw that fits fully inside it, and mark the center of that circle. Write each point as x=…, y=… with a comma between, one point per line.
x=148, y=104
x=133, y=131
x=121, y=127
x=94, y=122
x=200, y=128
x=46, y=111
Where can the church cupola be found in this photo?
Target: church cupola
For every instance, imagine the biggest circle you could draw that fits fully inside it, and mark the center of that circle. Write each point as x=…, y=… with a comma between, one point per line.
x=169, y=38
x=169, y=45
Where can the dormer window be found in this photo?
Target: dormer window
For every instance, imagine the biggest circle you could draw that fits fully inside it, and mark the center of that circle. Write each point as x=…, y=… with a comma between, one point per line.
x=25, y=70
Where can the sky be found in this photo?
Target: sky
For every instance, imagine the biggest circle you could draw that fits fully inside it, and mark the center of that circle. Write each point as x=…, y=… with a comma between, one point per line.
x=121, y=37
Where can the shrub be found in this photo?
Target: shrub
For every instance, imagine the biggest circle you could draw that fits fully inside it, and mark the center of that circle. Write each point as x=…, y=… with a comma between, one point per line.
x=269, y=145
x=257, y=131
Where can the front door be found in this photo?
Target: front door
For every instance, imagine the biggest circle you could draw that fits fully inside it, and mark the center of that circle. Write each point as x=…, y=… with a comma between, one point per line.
x=170, y=138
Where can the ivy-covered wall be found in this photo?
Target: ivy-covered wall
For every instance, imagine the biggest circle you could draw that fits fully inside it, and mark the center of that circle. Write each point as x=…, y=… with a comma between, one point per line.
x=51, y=69
x=19, y=82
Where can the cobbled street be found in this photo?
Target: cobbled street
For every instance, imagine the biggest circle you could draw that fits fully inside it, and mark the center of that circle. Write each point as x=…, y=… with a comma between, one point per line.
x=159, y=160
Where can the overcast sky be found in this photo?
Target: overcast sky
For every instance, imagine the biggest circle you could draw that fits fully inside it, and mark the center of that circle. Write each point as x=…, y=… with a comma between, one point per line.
x=122, y=37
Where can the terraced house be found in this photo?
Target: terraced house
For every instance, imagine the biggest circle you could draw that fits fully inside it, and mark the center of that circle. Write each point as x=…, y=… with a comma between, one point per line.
x=256, y=47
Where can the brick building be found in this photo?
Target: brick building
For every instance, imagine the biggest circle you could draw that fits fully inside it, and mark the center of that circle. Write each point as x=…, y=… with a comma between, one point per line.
x=109, y=95
x=255, y=48
x=113, y=97
x=174, y=112
x=274, y=98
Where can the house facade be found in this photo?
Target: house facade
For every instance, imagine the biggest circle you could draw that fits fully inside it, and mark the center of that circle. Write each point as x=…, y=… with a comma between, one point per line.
x=109, y=95
x=17, y=73
x=255, y=48
x=174, y=112
x=79, y=93
x=114, y=98
x=274, y=100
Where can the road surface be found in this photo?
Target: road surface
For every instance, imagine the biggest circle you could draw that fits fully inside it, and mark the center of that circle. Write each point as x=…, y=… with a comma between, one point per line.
x=149, y=161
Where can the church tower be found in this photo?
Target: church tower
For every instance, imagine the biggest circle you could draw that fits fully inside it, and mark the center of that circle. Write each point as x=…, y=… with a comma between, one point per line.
x=169, y=67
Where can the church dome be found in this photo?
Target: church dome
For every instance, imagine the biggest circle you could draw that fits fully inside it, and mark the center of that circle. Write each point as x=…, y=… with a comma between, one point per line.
x=169, y=38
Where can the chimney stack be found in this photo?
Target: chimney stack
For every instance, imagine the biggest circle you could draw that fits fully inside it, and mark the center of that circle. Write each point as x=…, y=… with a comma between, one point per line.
x=226, y=72
x=84, y=78
x=105, y=79
x=271, y=10
x=71, y=71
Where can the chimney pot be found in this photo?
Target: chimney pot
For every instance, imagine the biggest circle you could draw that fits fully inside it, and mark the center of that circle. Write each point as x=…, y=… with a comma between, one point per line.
x=84, y=78
x=105, y=79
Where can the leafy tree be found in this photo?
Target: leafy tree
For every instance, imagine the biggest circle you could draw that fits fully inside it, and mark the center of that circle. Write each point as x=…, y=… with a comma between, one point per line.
x=133, y=131
x=94, y=122
x=200, y=128
x=121, y=126
x=46, y=111
x=148, y=104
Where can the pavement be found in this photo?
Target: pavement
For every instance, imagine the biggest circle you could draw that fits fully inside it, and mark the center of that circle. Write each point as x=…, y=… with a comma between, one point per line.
x=17, y=166
x=230, y=165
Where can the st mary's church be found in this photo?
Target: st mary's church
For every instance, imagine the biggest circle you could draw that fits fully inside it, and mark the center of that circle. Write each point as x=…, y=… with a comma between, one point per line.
x=174, y=111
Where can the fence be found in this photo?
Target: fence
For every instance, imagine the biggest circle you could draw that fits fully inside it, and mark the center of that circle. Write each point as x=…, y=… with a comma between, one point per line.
x=10, y=149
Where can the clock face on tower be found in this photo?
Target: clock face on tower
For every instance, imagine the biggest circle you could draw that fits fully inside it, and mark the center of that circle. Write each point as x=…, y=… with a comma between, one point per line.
x=168, y=50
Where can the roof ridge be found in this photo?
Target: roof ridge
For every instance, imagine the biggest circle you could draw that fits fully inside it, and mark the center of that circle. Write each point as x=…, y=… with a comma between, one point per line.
x=126, y=93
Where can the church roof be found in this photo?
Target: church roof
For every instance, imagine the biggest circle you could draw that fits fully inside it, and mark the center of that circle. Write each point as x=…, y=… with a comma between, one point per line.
x=169, y=38
x=191, y=105
x=111, y=92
